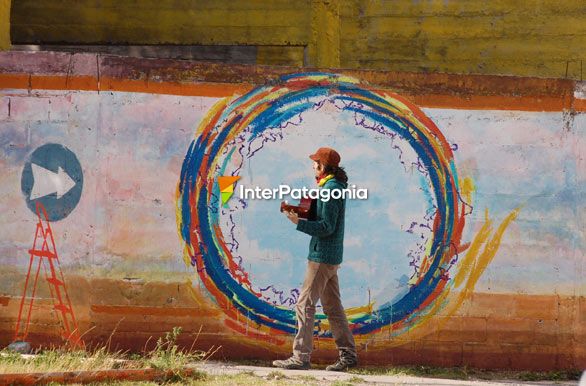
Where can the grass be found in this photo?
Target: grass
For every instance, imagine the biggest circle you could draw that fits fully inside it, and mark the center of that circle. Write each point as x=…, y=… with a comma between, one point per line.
x=307, y=378
x=415, y=371
x=349, y=382
x=464, y=373
x=243, y=379
x=568, y=375
x=62, y=360
x=276, y=375
x=166, y=356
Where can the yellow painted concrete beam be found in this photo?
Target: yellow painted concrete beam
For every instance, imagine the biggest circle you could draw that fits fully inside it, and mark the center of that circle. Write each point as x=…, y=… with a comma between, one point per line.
x=545, y=38
x=281, y=55
x=4, y=24
x=225, y=22
x=324, y=47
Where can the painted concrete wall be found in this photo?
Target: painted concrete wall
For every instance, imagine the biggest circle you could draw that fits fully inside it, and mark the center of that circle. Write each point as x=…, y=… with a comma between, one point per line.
x=468, y=251
x=545, y=38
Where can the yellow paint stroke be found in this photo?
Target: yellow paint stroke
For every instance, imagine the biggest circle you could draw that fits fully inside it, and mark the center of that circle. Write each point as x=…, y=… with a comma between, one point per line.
x=195, y=295
x=474, y=264
x=217, y=107
x=470, y=269
x=352, y=312
x=490, y=250
x=467, y=265
x=467, y=188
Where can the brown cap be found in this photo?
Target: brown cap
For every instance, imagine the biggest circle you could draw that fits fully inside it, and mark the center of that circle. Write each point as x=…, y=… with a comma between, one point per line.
x=326, y=156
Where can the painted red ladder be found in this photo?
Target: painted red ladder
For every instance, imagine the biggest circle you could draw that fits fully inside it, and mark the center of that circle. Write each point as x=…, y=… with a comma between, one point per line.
x=44, y=253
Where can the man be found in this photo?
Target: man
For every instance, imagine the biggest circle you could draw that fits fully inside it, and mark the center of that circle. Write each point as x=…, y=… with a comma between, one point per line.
x=321, y=277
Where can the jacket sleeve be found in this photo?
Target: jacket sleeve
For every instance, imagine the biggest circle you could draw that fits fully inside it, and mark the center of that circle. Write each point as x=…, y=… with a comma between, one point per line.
x=327, y=224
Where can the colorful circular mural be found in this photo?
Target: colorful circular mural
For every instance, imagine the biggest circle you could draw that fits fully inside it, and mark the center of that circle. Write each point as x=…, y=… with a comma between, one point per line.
x=270, y=106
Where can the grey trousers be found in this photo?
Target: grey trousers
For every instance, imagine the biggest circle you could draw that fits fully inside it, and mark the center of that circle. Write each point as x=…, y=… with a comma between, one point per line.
x=321, y=282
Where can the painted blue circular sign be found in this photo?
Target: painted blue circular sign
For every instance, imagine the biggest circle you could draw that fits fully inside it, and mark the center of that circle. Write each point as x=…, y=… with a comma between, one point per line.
x=53, y=176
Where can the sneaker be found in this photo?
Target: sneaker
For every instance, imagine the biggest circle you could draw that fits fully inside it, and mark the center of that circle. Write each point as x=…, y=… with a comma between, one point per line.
x=343, y=364
x=292, y=364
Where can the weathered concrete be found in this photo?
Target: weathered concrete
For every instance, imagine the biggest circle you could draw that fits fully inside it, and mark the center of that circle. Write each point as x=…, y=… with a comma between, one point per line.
x=529, y=38
x=516, y=143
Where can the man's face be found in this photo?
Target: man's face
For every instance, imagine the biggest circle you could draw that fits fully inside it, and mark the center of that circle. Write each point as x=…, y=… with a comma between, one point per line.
x=317, y=168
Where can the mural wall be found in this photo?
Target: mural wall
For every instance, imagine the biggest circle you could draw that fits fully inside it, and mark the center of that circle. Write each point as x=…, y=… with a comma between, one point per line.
x=468, y=251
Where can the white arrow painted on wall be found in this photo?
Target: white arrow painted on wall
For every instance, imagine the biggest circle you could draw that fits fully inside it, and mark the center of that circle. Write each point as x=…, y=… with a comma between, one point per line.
x=48, y=182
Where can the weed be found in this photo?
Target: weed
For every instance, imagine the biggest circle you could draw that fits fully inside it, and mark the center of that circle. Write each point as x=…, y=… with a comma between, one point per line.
x=168, y=356
x=276, y=375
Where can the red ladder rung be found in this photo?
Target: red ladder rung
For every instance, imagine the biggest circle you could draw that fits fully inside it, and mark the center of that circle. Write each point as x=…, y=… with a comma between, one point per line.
x=42, y=253
x=55, y=281
x=63, y=308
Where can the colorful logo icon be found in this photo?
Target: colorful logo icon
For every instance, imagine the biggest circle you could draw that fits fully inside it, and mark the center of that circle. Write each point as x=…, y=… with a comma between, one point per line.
x=226, y=184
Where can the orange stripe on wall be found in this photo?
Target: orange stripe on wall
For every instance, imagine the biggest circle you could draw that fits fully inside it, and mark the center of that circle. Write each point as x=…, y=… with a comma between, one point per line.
x=491, y=102
x=173, y=88
x=145, y=310
x=219, y=90
x=579, y=105
x=90, y=83
x=15, y=81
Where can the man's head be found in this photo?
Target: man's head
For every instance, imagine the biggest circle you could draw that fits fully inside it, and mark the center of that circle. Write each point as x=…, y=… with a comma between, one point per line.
x=323, y=159
x=326, y=156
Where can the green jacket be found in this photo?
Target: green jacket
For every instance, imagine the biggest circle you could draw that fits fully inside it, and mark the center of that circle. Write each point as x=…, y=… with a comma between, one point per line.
x=327, y=231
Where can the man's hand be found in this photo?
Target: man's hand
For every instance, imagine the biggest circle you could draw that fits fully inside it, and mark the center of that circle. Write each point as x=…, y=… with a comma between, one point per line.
x=292, y=216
